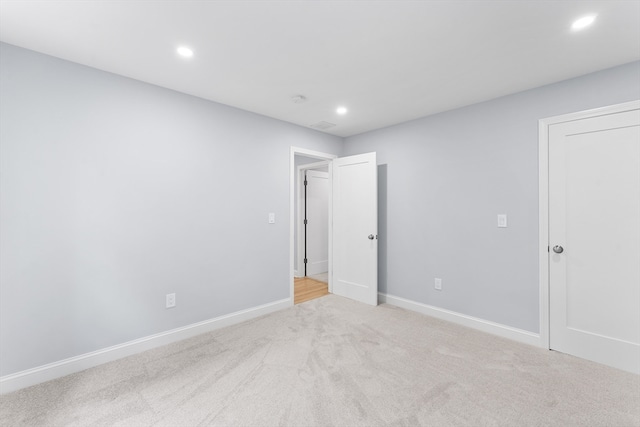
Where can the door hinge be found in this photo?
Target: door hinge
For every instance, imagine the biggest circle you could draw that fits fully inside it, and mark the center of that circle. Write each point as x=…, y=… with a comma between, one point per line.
x=305, y=222
x=305, y=182
x=305, y=260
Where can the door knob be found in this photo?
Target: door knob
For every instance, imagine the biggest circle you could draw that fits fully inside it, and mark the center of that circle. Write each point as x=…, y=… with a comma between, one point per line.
x=371, y=237
x=558, y=249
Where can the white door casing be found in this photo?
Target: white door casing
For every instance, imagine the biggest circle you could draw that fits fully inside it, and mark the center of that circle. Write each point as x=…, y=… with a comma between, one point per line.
x=355, y=228
x=594, y=228
x=317, y=237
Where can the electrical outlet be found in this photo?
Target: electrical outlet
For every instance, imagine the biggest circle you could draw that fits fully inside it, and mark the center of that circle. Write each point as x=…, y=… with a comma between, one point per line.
x=502, y=221
x=171, y=300
x=438, y=284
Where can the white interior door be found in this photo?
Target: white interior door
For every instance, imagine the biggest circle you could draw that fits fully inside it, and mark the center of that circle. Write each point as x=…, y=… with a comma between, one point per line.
x=355, y=228
x=317, y=226
x=594, y=238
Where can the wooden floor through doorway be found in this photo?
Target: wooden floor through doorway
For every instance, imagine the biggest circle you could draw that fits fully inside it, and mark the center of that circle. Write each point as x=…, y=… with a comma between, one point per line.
x=306, y=289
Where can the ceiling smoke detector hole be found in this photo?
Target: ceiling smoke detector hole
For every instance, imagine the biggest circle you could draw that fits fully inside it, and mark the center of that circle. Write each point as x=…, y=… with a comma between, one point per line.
x=322, y=125
x=298, y=99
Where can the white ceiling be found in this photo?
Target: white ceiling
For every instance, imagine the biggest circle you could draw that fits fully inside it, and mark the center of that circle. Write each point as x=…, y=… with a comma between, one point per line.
x=386, y=61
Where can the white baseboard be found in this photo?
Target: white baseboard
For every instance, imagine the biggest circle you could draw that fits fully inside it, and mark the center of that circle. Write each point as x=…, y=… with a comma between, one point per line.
x=79, y=363
x=504, y=331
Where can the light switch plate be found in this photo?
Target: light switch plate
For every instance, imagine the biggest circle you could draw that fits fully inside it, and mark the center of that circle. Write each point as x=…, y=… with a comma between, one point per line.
x=502, y=220
x=272, y=218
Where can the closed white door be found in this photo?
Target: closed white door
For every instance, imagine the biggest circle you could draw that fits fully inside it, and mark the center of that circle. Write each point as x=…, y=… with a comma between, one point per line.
x=317, y=226
x=355, y=228
x=594, y=238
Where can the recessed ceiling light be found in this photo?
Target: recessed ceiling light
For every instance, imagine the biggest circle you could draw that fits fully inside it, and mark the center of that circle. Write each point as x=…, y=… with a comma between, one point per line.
x=185, y=52
x=583, y=22
x=341, y=110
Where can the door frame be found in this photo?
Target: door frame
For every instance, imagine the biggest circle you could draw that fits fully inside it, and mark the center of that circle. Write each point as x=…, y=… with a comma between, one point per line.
x=300, y=173
x=543, y=201
x=292, y=194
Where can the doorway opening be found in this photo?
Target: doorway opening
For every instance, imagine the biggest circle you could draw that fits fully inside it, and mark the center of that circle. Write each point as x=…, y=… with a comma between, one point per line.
x=310, y=226
x=313, y=221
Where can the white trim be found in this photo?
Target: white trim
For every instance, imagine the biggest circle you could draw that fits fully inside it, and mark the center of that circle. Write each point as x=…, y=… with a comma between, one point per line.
x=601, y=111
x=54, y=370
x=543, y=200
x=292, y=193
x=498, y=329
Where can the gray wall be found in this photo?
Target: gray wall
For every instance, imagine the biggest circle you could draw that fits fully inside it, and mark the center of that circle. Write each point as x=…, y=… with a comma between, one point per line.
x=444, y=179
x=115, y=192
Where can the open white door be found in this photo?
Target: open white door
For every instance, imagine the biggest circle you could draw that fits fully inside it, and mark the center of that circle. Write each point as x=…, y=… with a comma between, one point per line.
x=355, y=228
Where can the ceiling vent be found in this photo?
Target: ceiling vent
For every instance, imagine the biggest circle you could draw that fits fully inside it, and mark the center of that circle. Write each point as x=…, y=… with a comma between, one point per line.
x=323, y=125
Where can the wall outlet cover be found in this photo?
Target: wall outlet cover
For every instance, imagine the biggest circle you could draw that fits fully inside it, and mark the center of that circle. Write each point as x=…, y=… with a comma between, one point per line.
x=171, y=300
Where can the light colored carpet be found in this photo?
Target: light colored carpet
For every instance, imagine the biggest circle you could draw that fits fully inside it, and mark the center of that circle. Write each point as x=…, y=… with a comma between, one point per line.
x=335, y=362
